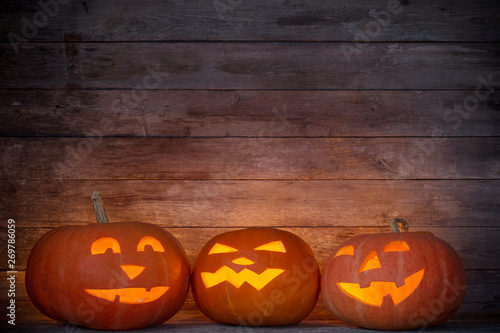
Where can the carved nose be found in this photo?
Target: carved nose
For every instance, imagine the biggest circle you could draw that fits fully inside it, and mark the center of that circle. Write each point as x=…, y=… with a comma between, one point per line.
x=132, y=270
x=243, y=261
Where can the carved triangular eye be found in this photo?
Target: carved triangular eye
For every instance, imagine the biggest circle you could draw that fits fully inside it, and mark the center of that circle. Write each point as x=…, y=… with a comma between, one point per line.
x=221, y=248
x=100, y=245
x=276, y=246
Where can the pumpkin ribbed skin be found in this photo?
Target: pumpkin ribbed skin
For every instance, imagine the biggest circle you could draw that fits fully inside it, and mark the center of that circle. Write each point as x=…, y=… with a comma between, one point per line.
x=283, y=300
x=437, y=296
x=61, y=266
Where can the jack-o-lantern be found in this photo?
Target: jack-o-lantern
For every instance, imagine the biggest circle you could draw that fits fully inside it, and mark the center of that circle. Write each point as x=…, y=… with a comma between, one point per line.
x=393, y=281
x=110, y=276
x=256, y=277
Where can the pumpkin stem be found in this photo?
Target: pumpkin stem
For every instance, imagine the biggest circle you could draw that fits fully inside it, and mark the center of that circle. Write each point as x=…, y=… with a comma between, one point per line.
x=398, y=225
x=100, y=213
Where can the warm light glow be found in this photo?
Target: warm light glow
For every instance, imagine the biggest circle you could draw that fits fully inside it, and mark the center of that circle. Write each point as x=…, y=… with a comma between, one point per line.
x=346, y=250
x=132, y=270
x=370, y=262
x=276, y=246
x=258, y=281
x=374, y=294
x=221, y=248
x=100, y=245
x=129, y=295
x=153, y=242
x=243, y=261
x=396, y=246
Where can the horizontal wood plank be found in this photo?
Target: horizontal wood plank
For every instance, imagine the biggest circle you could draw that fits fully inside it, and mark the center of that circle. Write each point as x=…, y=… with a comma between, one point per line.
x=256, y=203
x=379, y=20
x=248, y=66
x=475, y=246
x=247, y=113
x=250, y=158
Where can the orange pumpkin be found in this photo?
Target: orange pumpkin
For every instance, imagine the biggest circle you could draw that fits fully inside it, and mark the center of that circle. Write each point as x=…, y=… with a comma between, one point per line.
x=256, y=277
x=111, y=276
x=393, y=281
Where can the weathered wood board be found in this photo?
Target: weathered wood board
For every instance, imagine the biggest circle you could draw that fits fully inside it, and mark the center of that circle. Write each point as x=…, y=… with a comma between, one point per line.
x=291, y=20
x=248, y=113
x=218, y=65
x=280, y=203
x=251, y=158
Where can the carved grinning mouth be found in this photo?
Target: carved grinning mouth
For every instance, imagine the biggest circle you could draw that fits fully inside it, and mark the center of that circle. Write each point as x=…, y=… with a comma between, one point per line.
x=129, y=295
x=374, y=294
x=258, y=281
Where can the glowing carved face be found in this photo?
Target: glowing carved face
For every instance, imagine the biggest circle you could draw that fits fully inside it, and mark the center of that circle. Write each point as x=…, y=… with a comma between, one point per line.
x=127, y=295
x=374, y=294
x=258, y=281
x=264, y=271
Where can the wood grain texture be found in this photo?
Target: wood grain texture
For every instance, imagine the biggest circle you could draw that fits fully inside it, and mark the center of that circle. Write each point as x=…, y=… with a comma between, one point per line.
x=324, y=118
x=309, y=203
x=247, y=66
x=250, y=158
x=247, y=113
x=323, y=241
x=291, y=20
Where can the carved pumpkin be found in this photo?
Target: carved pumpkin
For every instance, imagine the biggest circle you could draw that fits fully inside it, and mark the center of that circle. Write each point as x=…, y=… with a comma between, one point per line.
x=256, y=277
x=111, y=276
x=393, y=281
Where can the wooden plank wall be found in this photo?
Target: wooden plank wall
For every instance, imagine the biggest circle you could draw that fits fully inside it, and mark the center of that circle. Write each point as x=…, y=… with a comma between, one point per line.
x=326, y=118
